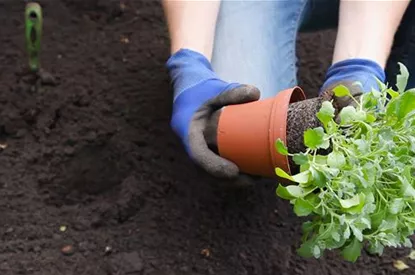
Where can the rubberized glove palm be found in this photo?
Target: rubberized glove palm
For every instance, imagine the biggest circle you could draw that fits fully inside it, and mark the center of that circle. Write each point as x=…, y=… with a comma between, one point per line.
x=198, y=93
x=347, y=73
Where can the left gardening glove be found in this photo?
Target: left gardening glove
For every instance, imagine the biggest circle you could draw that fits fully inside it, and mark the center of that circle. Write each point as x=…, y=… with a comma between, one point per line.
x=198, y=93
x=348, y=73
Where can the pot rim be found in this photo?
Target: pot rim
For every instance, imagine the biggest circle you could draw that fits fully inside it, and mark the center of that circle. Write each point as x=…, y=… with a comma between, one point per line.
x=278, y=124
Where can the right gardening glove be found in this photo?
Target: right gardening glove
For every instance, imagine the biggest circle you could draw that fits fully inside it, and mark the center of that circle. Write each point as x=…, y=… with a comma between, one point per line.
x=347, y=73
x=198, y=93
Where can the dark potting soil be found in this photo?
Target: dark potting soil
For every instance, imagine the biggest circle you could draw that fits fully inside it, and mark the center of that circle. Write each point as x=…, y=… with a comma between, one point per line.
x=300, y=117
x=95, y=153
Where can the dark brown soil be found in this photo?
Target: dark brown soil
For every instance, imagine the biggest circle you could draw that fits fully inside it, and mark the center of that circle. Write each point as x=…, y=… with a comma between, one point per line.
x=95, y=153
x=300, y=117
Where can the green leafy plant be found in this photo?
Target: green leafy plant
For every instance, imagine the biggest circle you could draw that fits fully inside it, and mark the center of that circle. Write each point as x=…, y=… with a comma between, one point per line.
x=361, y=192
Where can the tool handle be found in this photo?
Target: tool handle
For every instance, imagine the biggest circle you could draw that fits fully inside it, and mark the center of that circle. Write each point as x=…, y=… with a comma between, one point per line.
x=33, y=32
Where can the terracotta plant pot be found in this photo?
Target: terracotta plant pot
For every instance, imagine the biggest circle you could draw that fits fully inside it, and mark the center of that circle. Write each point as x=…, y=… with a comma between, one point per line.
x=246, y=133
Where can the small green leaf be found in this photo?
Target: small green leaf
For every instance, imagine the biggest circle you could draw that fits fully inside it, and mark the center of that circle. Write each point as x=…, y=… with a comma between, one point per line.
x=360, y=115
x=378, y=217
x=281, y=173
x=388, y=224
x=406, y=104
x=304, y=167
x=300, y=158
x=362, y=145
x=406, y=188
x=290, y=192
x=302, y=177
x=386, y=133
x=369, y=173
x=353, y=201
x=370, y=99
x=333, y=244
x=325, y=144
x=364, y=223
x=316, y=251
x=352, y=251
x=376, y=247
x=412, y=143
x=325, y=230
x=319, y=159
x=359, y=207
x=357, y=232
x=326, y=112
x=312, y=198
x=407, y=173
x=381, y=85
x=347, y=115
x=347, y=232
x=335, y=236
x=408, y=243
x=302, y=207
x=391, y=108
x=299, y=178
x=341, y=91
x=319, y=178
x=396, y=206
x=314, y=138
x=392, y=93
x=401, y=106
x=370, y=118
x=336, y=159
x=342, y=219
x=306, y=249
x=402, y=78
x=307, y=227
x=327, y=109
x=281, y=148
x=402, y=151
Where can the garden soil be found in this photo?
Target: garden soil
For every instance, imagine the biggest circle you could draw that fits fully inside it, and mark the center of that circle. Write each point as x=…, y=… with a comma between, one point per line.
x=92, y=179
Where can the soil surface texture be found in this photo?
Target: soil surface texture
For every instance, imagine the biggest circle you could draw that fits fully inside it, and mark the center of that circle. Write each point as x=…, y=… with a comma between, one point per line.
x=92, y=179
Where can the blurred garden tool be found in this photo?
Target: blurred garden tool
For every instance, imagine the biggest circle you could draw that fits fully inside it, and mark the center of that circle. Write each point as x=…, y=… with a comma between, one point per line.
x=33, y=32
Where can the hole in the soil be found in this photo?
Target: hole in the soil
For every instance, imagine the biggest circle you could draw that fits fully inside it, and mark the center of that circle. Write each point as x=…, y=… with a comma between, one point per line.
x=33, y=15
x=33, y=35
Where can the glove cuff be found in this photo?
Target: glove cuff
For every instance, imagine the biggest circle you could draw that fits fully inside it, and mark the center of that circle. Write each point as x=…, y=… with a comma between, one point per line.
x=187, y=69
x=355, y=69
x=356, y=65
x=185, y=57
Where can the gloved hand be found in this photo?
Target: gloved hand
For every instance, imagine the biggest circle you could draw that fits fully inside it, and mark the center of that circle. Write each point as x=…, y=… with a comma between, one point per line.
x=198, y=93
x=346, y=73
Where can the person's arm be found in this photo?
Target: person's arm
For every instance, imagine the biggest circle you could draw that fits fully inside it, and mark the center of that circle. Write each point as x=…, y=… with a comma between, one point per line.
x=367, y=28
x=191, y=24
x=198, y=91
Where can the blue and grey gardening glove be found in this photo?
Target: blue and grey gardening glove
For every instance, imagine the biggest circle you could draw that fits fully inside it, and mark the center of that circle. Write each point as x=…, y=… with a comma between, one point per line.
x=198, y=93
x=347, y=73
